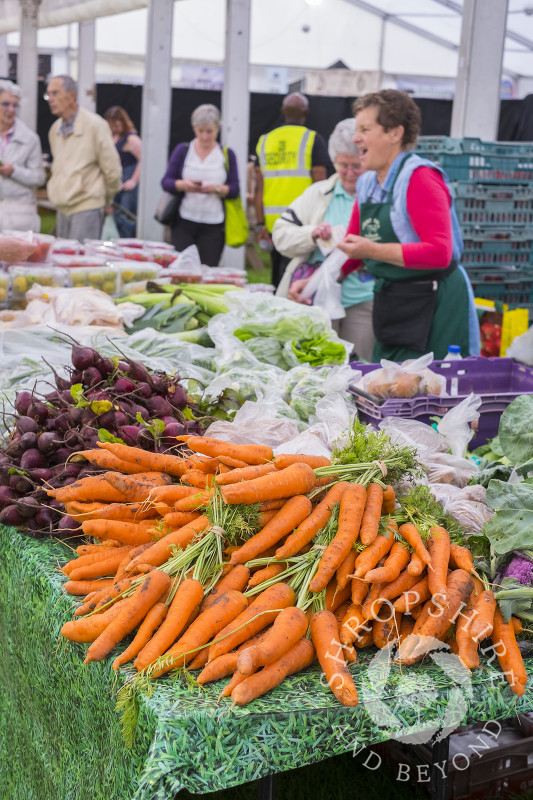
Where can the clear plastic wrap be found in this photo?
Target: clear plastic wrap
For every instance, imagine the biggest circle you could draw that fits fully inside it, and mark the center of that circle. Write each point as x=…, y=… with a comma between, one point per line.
x=324, y=287
x=447, y=468
x=256, y=423
x=466, y=505
x=414, y=434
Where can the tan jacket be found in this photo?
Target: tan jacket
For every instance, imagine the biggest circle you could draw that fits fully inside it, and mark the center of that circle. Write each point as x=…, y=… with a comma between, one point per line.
x=86, y=170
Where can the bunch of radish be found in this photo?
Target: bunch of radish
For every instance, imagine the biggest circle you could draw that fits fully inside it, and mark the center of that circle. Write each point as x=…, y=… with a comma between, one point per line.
x=122, y=398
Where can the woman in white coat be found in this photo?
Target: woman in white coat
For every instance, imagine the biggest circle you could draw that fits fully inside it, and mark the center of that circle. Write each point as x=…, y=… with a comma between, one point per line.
x=21, y=165
x=311, y=217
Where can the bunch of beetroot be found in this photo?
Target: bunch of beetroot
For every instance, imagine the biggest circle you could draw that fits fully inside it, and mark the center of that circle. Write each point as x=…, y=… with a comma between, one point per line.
x=102, y=398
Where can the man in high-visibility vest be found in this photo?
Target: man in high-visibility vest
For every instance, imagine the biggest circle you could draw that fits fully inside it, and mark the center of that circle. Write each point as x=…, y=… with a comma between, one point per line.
x=290, y=158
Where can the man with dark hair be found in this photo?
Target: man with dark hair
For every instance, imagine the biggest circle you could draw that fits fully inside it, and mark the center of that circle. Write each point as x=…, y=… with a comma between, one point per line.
x=86, y=170
x=290, y=157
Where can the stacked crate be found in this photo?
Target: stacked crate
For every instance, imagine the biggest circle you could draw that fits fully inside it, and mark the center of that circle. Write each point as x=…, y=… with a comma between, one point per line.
x=492, y=183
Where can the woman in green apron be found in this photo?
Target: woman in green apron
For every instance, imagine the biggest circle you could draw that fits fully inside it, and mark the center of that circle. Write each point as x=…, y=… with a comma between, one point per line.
x=404, y=232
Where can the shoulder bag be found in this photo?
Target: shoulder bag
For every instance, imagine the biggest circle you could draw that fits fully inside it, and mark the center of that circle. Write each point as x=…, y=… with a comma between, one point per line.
x=236, y=228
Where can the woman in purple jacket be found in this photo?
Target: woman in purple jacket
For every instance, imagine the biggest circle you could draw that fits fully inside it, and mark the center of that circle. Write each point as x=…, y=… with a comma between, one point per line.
x=203, y=177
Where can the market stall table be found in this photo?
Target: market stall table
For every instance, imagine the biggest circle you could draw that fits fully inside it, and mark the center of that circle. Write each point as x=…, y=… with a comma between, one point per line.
x=63, y=732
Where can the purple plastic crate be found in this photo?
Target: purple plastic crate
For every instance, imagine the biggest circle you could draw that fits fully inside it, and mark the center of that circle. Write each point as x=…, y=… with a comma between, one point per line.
x=498, y=381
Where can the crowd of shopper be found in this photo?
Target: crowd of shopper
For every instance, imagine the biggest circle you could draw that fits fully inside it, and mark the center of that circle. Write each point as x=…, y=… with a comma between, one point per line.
x=403, y=290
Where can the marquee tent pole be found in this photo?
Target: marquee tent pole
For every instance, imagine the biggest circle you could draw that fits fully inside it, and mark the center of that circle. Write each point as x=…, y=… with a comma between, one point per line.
x=86, y=64
x=27, y=70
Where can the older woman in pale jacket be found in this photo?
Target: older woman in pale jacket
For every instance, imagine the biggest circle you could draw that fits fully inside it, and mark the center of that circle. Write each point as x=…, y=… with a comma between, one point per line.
x=310, y=217
x=21, y=165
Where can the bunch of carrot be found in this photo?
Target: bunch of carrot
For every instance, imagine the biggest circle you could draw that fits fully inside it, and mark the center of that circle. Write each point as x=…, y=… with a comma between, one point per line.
x=331, y=562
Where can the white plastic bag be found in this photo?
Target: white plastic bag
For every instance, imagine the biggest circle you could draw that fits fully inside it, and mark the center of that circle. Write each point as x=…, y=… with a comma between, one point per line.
x=466, y=505
x=324, y=287
x=256, y=423
x=188, y=262
x=333, y=419
x=423, y=437
x=458, y=424
x=409, y=379
x=521, y=348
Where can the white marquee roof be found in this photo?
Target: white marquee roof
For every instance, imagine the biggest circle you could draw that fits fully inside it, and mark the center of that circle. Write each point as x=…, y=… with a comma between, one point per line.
x=421, y=37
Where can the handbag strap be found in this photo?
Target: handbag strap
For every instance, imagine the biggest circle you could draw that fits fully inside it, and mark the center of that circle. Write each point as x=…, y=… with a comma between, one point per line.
x=226, y=159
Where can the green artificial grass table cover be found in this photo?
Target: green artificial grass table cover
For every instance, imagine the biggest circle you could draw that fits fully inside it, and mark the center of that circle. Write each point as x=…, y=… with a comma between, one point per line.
x=60, y=734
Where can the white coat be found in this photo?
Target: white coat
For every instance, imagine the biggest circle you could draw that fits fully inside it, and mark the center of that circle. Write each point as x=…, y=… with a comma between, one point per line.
x=18, y=209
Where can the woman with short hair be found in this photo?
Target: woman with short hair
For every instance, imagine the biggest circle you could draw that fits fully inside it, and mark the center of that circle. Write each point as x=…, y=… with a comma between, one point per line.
x=310, y=218
x=404, y=231
x=203, y=175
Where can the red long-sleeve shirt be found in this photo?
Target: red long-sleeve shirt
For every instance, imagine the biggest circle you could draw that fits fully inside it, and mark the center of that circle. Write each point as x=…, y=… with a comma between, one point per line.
x=428, y=206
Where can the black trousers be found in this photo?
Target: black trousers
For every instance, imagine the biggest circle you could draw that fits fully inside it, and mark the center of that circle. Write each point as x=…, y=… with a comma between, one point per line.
x=279, y=265
x=209, y=239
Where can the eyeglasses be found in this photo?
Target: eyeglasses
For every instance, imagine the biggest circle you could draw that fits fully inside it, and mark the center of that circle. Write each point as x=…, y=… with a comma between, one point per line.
x=342, y=165
x=10, y=105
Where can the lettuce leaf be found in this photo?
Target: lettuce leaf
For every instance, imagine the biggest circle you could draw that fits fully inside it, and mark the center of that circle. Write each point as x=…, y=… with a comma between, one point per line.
x=511, y=527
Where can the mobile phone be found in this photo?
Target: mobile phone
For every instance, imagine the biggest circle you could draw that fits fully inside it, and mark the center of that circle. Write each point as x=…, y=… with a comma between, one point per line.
x=197, y=183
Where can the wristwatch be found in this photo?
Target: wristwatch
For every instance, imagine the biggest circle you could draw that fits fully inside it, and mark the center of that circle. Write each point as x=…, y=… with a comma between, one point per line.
x=259, y=226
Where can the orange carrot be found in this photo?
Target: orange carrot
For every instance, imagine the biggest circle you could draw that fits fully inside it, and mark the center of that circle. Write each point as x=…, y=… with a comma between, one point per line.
x=260, y=613
x=148, y=626
x=294, y=480
x=300, y=656
x=124, y=512
x=345, y=570
x=372, y=514
x=198, y=479
x=177, y=519
x=316, y=520
x=412, y=536
x=131, y=533
x=204, y=629
x=236, y=578
x=143, y=599
x=467, y=647
x=412, y=597
x=284, y=521
x=284, y=460
x=483, y=622
x=351, y=623
x=136, y=491
x=508, y=654
x=109, y=593
x=406, y=627
x=235, y=463
x=289, y=626
x=99, y=553
x=359, y=591
x=245, y=474
x=389, y=501
x=82, y=588
x=265, y=574
x=328, y=649
x=517, y=625
x=334, y=597
x=373, y=601
x=461, y=558
x=86, y=549
x=395, y=562
x=439, y=550
x=386, y=629
x=416, y=566
x=90, y=628
x=94, y=487
x=99, y=568
x=188, y=596
x=150, y=462
x=273, y=505
x=161, y=551
x=249, y=453
x=217, y=669
x=369, y=557
x=350, y=515
x=200, y=499
x=105, y=460
x=209, y=466
x=171, y=493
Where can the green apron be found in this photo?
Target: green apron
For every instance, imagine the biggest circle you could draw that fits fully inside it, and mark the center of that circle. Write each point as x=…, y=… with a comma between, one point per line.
x=415, y=310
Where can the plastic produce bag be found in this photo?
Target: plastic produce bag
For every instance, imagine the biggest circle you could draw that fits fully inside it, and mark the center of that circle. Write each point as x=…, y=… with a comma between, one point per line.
x=466, y=505
x=456, y=424
x=423, y=437
x=409, y=379
x=447, y=468
x=256, y=423
x=324, y=287
x=521, y=348
x=187, y=263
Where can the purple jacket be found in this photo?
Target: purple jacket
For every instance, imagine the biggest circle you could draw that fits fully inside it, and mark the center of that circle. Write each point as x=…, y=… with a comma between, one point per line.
x=175, y=170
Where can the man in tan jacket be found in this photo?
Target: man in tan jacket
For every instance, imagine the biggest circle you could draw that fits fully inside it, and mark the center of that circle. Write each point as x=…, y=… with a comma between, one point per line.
x=86, y=170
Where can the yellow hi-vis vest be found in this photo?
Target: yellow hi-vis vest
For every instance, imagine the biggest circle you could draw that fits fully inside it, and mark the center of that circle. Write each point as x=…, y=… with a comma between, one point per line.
x=285, y=160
